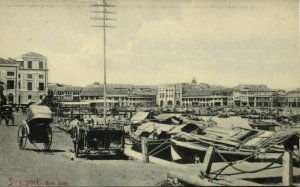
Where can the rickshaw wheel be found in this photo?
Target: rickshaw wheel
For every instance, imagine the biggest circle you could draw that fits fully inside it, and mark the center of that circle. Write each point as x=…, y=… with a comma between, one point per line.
x=47, y=144
x=22, y=136
x=76, y=143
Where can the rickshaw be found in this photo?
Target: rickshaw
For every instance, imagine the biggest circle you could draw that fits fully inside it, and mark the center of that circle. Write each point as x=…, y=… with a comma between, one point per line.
x=6, y=113
x=104, y=140
x=36, y=128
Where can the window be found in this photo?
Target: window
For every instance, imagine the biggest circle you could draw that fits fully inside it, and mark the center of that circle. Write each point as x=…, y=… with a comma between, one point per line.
x=29, y=96
x=10, y=84
x=19, y=76
x=22, y=64
x=29, y=85
x=29, y=76
x=41, y=86
x=19, y=85
x=29, y=65
x=41, y=76
x=41, y=65
x=41, y=97
x=10, y=73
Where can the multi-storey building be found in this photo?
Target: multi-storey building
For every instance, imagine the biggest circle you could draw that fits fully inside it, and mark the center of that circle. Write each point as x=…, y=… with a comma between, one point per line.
x=280, y=98
x=253, y=96
x=68, y=93
x=293, y=98
x=124, y=95
x=33, y=77
x=205, y=98
x=142, y=96
x=169, y=95
x=25, y=78
x=9, y=76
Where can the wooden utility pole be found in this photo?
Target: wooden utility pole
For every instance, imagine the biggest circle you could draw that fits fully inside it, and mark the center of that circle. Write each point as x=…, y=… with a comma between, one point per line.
x=104, y=11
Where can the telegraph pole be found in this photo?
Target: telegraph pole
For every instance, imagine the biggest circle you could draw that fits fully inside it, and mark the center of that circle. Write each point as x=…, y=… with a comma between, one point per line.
x=104, y=10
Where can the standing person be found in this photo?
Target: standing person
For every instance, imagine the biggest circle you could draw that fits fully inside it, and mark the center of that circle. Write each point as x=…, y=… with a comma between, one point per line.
x=17, y=108
x=2, y=99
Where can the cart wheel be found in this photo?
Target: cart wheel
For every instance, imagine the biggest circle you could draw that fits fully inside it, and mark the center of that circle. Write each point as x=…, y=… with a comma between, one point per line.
x=76, y=143
x=47, y=145
x=22, y=136
x=120, y=152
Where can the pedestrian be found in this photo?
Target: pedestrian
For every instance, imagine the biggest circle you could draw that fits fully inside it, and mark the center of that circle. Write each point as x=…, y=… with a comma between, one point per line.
x=17, y=108
x=24, y=110
x=2, y=99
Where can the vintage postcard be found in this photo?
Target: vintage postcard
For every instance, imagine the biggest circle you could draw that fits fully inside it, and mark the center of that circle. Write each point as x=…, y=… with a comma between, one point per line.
x=149, y=92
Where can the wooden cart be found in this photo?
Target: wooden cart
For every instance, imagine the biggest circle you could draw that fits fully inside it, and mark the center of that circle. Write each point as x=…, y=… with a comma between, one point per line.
x=101, y=140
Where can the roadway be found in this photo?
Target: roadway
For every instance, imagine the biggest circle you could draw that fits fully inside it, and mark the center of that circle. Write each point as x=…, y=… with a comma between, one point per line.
x=33, y=167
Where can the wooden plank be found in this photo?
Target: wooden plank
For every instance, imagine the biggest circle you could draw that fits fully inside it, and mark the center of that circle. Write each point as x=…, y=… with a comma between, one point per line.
x=209, y=156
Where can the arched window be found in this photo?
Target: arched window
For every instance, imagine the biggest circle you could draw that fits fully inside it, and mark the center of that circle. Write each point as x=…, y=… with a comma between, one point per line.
x=29, y=96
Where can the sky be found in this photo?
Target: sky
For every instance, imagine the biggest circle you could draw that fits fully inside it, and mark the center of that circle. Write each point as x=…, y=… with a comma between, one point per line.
x=219, y=42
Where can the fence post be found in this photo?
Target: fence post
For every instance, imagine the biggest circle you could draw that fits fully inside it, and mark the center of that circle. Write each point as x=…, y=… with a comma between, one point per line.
x=287, y=164
x=145, y=150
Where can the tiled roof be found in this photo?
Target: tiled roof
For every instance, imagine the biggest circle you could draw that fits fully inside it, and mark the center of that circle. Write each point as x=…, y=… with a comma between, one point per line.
x=7, y=62
x=118, y=91
x=197, y=92
x=142, y=92
x=98, y=91
x=252, y=87
x=224, y=92
x=295, y=91
x=92, y=91
x=262, y=88
x=68, y=88
x=33, y=54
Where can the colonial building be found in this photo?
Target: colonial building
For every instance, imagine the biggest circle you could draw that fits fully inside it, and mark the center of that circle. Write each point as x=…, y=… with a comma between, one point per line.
x=169, y=95
x=253, y=96
x=280, y=98
x=68, y=93
x=205, y=98
x=33, y=77
x=142, y=96
x=124, y=95
x=293, y=98
x=9, y=70
x=25, y=78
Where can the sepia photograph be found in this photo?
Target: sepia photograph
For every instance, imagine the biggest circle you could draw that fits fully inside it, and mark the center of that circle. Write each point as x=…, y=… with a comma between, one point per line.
x=149, y=93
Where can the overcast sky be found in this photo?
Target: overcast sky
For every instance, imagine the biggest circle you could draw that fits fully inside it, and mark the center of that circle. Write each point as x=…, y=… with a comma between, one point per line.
x=226, y=42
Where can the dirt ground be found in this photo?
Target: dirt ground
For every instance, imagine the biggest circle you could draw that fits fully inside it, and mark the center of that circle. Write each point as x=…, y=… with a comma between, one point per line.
x=31, y=167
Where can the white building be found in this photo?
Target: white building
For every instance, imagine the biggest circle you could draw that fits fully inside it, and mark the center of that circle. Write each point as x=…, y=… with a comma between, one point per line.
x=205, y=98
x=9, y=76
x=253, y=96
x=293, y=98
x=169, y=95
x=32, y=77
